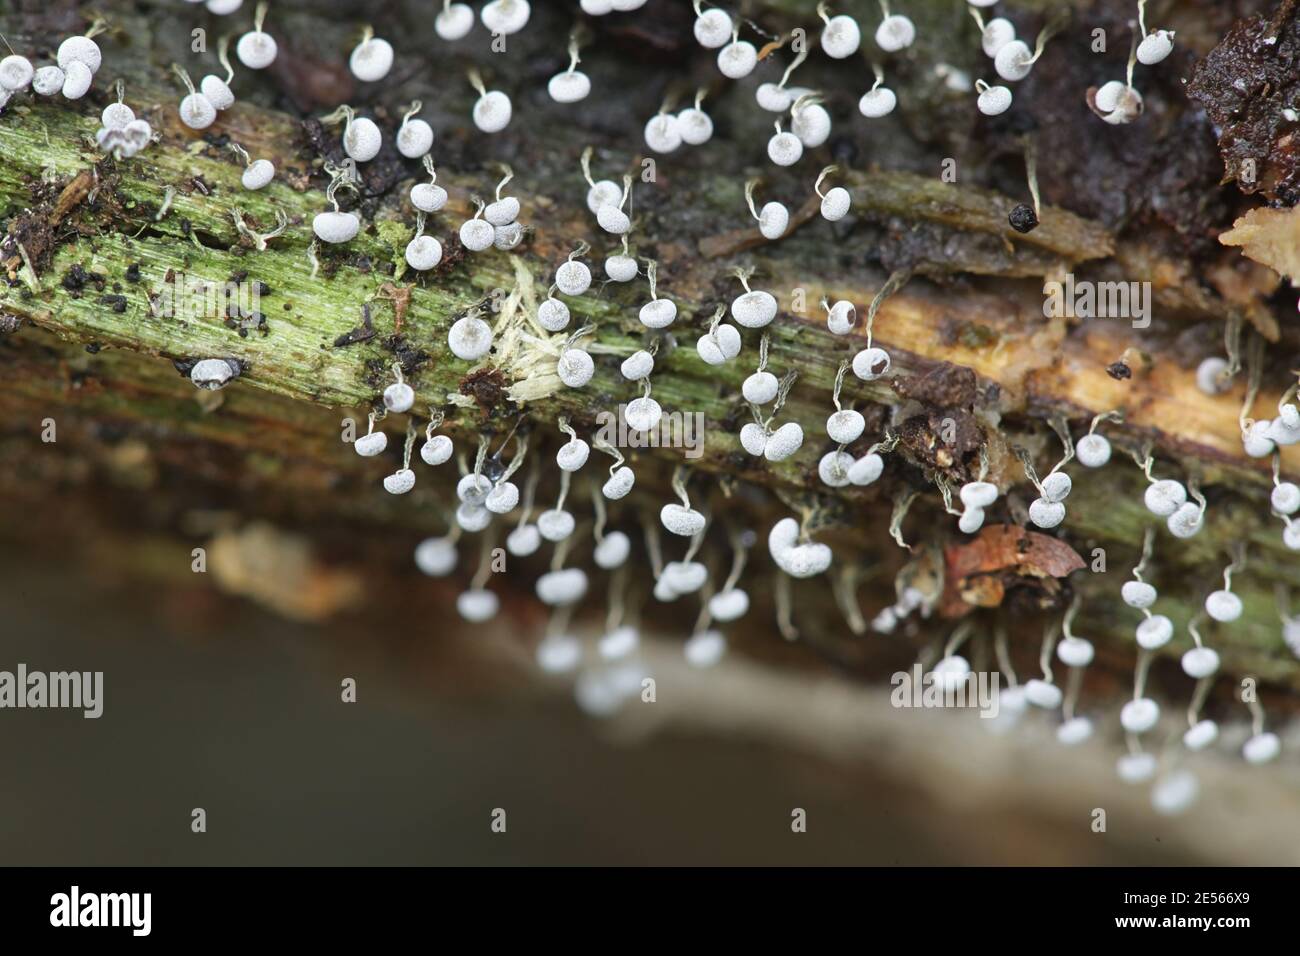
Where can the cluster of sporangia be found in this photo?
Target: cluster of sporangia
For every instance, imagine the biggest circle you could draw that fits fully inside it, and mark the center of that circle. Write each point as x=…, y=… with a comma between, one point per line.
x=486, y=491
x=77, y=60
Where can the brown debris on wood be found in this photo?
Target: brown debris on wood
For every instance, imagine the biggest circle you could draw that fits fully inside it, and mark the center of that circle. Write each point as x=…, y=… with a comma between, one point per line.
x=979, y=573
x=1248, y=85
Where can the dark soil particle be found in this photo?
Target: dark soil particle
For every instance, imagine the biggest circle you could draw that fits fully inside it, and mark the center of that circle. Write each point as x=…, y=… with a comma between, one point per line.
x=77, y=278
x=362, y=333
x=410, y=357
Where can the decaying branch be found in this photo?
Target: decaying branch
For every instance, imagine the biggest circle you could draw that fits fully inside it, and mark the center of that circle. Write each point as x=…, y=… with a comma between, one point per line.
x=93, y=243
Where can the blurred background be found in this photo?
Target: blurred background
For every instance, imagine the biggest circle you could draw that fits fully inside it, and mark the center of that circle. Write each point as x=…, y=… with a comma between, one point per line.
x=212, y=701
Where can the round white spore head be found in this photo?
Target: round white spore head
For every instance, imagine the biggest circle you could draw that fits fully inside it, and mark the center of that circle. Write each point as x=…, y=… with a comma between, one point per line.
x=399, y=397
x=1093, y=450
x=423, y=253
x=870, y=364
x=569, y=87
x=258, y=174
x=473, y=489
x=1075, y=652
x=643, y=414
x=503, y=498
x=1155, y=632
x=845, y=426
x=1262, y=748
x=695, y=126
x=1201, y=735
x=116, y=116
x=1139, y=716
x=994, y=101
x=1042, y=694
x=371, y=60
x=612, y=551
x=1074, y=731
x=866, y=469
x=680, y=520
x=563, y=587
x=48, y=80
x=559, y=654
x=783, y=442
x=835, y=204
x=573, y=277
x=573, y=454
x=505, y=16
x=1223, y=606
x=978, y=494
x=1136, y=767
x=896, y=32
x=737, y=59
x=336, y=227
x=477, y=234
x=1155, y=47
x=713, y=28
x=662, y=133
x=773, y=220
x=16, y=73
x=841, y=37
x=1046, y=514
x=368, y=446
x=998, y=32
x=619, y=483
x=256, y=49
x=1013, y=61
x=470, y=338
x=705, y=649
x=729, y=605
x=553, y=315
x=575, y=368
x=492, y=111
x=79, y=49
x=414, y=138
x=436, y=557
x=753, y=438
x=524, y=540
x=1138, y=594
x=454, y=21
x=1200, y=662
x=760, y=388
x=400, y=482
x=754, y=310
x=658, y=313
x=428, y=197
x=784, y=148
x=555, y=525
x=436, y=450
x=878, y=102
x=833, y=468
x=477, y=605
x=196, y=111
